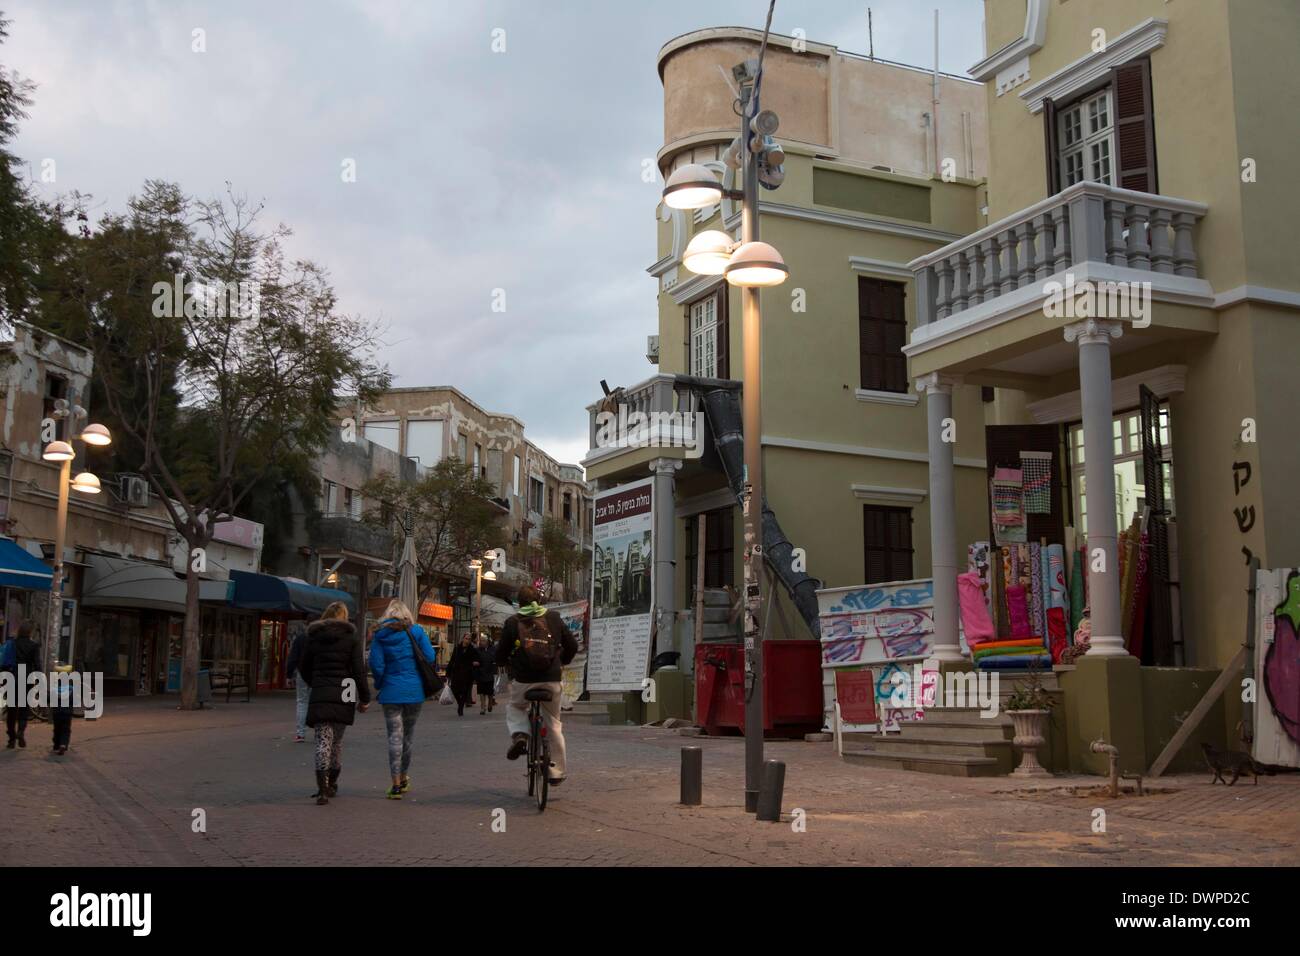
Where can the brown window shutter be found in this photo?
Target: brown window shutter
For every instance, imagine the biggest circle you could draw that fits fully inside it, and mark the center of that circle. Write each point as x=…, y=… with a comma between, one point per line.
x=1134, y=126
x=882, y=333
x=1052, y=148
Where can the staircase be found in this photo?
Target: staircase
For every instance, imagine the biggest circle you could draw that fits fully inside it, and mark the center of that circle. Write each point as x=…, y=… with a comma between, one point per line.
x=950, y=740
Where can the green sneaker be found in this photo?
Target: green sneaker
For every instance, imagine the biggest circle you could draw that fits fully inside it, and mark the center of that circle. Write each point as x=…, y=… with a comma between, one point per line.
x=406, y=785
x=394, y=793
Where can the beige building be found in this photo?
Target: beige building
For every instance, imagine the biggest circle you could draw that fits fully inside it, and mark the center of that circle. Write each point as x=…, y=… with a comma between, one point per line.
x=429, y=424
x=868, y=187
x=1133, y=142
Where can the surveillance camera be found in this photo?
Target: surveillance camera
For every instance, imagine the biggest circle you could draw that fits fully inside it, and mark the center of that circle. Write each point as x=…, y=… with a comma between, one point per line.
x=765, y=123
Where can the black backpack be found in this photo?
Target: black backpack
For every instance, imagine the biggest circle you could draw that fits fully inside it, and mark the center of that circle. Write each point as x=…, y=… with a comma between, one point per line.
x=538, y=648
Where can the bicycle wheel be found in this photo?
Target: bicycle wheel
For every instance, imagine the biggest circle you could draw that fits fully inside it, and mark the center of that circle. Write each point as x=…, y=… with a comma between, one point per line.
x=544, y=777
x=532, y=753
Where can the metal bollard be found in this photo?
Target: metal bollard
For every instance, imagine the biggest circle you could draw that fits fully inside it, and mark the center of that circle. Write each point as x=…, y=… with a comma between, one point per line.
x=771, y=791
x=692, y=776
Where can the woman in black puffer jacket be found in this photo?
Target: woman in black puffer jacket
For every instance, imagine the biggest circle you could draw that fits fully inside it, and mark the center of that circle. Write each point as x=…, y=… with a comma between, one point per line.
x=334, y=666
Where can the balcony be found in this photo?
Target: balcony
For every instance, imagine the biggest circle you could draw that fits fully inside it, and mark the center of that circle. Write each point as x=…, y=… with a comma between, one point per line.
x=1103, y=235
x=343, y=533
x=662, y=417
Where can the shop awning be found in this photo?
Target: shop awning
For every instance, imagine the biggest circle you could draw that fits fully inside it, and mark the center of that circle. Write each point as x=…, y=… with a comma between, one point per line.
x=266, y=592
x=123, y=582
x=18, y=569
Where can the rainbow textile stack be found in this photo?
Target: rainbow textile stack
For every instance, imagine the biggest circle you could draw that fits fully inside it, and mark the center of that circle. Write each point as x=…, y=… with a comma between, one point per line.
x=1008, y=655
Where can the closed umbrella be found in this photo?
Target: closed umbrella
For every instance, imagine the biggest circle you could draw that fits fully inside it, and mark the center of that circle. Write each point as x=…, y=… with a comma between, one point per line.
x=406, y=586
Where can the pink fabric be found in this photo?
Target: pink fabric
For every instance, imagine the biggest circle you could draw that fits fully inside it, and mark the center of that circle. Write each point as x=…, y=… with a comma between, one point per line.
x=1018, y=612
x=975, y=620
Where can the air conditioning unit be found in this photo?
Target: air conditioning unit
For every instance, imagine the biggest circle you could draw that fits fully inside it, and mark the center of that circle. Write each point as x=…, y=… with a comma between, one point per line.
x=652, y=349
x=135, y=491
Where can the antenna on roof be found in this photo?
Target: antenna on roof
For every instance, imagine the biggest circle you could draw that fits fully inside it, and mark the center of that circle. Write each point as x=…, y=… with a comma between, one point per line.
x=871, y=37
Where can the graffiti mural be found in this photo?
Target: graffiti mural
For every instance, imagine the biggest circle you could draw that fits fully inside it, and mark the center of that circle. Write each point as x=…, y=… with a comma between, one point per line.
x=1282, y=660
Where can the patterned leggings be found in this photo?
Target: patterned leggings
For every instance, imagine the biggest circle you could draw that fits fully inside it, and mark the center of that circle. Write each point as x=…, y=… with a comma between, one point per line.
x=400, y=720
x=329, y=746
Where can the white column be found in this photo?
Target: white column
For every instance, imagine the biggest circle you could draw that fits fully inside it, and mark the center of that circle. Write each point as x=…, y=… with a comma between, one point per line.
x=664, y=544
x=1094, y=337
x=943, y=512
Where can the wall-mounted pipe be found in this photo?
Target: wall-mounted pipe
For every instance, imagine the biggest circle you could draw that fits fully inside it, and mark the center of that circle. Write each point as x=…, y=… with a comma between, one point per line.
x=1099, y=746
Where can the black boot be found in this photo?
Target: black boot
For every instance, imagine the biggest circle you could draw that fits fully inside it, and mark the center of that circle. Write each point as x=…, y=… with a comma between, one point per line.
x=334, y=781
x=322, y=788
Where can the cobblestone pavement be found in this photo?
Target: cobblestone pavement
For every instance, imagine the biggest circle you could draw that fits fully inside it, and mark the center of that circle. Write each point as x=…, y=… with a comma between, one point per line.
x=127, y=793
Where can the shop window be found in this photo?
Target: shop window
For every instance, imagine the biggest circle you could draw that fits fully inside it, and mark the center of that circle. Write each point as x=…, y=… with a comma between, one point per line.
x=887, y=539
x=1130, y=477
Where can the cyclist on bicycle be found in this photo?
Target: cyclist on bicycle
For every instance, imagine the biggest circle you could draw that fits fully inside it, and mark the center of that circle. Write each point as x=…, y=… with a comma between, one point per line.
x=535, y=645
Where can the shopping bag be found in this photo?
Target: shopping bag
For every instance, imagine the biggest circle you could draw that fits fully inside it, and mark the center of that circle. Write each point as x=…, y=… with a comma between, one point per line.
x=499, y=686
x=446, y=697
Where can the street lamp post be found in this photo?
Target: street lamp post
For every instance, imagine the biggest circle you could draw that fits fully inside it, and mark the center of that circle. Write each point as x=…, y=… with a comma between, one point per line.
x=751, y=265
x=86, y=483
x=479, y=577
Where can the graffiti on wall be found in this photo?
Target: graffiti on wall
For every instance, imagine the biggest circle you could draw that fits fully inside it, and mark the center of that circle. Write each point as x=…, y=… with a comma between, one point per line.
x=878, y=597
x=1245, y=515
x=1282, y=660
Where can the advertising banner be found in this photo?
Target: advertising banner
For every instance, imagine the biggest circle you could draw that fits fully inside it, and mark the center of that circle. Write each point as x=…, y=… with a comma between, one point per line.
x=621, y=587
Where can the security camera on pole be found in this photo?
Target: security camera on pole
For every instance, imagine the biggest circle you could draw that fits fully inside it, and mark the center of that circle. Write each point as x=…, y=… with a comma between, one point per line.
x=751, y=265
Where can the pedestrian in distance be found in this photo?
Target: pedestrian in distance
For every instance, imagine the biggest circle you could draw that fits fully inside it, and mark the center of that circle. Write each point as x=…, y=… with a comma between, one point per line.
x=334, y=667
x=461, y=670
x=61, y=712
x=401, y=692
x=486, y=674
x=19, y=650
x=301, y=687
x=535, y=645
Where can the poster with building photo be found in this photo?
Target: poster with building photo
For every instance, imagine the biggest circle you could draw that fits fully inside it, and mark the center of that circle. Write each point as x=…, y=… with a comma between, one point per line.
x=621, y=587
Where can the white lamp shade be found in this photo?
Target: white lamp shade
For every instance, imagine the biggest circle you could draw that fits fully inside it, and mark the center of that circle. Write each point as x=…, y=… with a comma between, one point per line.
x=692, y=187
x=489, y=575
x=708, y=253
x=86, y=483
x=58, y=451
x=96, y=435
x=756, y=264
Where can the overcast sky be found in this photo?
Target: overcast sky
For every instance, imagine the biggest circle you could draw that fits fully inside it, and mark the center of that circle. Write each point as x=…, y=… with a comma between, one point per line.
x=475, y=170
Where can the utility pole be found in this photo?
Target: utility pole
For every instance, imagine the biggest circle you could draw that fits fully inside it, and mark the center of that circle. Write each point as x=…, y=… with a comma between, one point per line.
x=752, y=493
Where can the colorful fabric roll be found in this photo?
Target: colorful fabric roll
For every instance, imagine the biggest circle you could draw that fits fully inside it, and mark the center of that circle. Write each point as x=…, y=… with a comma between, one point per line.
x=1018, y=612
x=1016, y=662
x=1057, y=636
x=1034, y=647
x=1141, y=591
x=1077, y=599
x=1037, y=604
x=977, y=561
x=975, y=620
x=1007, y=507
x=1036, y=469
x=1030, y=643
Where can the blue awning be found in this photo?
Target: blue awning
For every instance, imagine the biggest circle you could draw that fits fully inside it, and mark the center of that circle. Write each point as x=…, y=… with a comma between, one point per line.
x=266, y=592
x=18, y=569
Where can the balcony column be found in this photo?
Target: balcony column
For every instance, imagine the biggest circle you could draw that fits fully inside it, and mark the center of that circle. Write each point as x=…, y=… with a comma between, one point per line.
x=943, y=514
x=1093, y=337
x=664, y=550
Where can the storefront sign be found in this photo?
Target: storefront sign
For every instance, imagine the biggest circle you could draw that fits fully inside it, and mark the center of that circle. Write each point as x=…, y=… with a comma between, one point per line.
x=622, y=585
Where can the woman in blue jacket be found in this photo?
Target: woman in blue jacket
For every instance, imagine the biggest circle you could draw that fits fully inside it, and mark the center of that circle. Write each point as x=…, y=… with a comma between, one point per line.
x=392, y=664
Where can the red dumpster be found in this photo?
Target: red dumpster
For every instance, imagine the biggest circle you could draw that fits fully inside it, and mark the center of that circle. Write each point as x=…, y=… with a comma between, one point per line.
x=792, y=688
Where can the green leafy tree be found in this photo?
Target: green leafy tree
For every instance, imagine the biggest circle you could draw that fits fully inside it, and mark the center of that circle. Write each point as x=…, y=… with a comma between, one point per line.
x=452, y=516
x=220, y=359
x=561, y=557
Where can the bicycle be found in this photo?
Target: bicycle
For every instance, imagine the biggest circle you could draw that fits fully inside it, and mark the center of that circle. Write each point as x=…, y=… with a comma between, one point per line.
x=539, y=748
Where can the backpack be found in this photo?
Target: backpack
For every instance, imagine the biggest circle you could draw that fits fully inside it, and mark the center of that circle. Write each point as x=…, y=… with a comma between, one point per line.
x=538, y=648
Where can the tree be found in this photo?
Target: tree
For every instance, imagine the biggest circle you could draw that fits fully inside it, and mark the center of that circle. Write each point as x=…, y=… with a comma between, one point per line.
x=187, y=300
x=453, y=519
x=560, y=556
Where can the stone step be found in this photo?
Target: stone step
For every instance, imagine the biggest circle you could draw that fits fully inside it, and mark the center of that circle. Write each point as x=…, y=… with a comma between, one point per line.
x=964, y=716
x=942, y=745
x=587, y=712
x=948, y=764
x=957, y=730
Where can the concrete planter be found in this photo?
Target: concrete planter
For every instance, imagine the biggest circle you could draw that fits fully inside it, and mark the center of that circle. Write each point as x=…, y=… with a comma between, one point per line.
x=1031, y=733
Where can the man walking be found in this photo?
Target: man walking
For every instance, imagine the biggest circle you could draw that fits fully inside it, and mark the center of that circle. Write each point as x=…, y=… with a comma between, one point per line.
x=535, y=645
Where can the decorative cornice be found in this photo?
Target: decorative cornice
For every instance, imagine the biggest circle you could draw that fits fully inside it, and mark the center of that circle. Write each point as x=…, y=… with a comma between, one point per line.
x=865, y=223
x=696, y=285
x=886, y=398
x=937, y=382
x=1143, y=38
x=1257, y=293
x=911, y=496
x=1031, y=41
x=862, y=451
x=882, y=267
x=1164, y=381
x=1093, y=332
